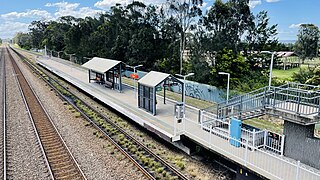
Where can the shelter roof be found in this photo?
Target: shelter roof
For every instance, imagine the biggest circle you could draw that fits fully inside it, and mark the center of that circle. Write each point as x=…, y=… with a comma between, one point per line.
x=154, y=78
x=101, y=65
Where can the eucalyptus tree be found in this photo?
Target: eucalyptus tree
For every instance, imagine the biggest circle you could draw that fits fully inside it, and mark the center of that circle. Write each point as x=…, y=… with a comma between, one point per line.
x=37, y=29
x=308, y=41
x=185, y=11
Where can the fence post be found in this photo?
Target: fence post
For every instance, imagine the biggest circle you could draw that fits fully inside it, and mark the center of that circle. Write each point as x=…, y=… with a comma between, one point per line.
x=282, y=144
x=201, y=119
x=174, y=126
x=298, y=107
x=246, y=154
x=264, y=99
x=298, y=170
x=200, y=115
x=210, y=135
x=184, y=125
x=274, y=98
x=265, y=138
x=253, y=139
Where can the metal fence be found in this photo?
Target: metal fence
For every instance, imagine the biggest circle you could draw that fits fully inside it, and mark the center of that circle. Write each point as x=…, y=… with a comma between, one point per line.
x=255, y=137
x=295, y=98
x=263, y=162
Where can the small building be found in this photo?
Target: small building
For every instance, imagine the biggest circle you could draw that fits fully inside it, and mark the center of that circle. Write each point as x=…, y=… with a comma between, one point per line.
x=105, y=71
x=147, y=89
x=287, y=60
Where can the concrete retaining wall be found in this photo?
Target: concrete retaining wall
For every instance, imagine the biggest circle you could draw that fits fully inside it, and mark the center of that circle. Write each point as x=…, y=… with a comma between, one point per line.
x=300, y=144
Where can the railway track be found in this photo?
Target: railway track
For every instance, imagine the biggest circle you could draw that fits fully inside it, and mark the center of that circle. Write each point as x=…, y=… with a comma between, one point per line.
x=152, y=165
x=60, y=161
x=3, y=115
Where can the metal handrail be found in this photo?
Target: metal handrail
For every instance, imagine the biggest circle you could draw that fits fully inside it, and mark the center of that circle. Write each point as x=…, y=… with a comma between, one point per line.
x=274, y=97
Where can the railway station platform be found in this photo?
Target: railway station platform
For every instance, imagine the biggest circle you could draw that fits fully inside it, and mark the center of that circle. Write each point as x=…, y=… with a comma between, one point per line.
x=124, y=102
x=248, y=156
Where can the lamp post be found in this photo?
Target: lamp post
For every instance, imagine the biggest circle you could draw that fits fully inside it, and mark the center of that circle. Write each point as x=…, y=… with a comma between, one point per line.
x=134, y=79
x=184, y=90
x=228, y=84
x=271, y=66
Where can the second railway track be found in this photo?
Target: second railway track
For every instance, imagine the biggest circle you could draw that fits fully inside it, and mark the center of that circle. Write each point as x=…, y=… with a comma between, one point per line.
x=152, y=165
x=2, y=115
x=61, y=162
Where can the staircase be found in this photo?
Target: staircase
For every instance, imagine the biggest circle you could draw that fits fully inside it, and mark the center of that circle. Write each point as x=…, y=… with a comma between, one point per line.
x=294, y=102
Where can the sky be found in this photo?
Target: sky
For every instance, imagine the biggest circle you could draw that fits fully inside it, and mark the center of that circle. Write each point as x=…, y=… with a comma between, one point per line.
x=16, y=15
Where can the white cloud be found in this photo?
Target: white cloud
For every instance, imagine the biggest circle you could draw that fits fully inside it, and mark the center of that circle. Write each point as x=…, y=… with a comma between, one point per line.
x=271, y=1
x=64, y=5
x=9, y=28
x=28, y=14
x=106, y=4
x=72, y=9
x=294, y=26
x=253, y=4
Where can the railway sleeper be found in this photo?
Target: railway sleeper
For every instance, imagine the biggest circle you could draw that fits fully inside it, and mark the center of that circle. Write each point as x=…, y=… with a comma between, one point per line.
x=69, y=176
x=57, y=164
x=54, y=150
x=50, y=140
x=67, y=173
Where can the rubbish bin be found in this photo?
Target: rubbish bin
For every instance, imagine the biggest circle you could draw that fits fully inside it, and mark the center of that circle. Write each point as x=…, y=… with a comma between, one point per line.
x=179, y=111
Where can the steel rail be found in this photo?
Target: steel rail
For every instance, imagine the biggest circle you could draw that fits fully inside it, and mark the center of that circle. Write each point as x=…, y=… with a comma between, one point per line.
x=33, y=125
x=4, y=114
x=37, y=130
x=167, y=165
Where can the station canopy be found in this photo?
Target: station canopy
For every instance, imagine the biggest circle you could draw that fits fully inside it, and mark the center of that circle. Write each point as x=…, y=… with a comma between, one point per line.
x=147, y=98
x=105, y=71
x=153, y=78
x=101, y=65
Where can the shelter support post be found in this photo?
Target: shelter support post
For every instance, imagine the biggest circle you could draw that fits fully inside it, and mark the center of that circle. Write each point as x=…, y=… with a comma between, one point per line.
x=154, y=101
x=182, y=92
x=120, y=77
x=164, y=92
x=89, y=75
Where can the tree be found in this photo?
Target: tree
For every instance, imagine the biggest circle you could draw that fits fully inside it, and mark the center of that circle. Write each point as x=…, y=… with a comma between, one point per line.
x=315, y=79
x=308, y=41
x=227, y=22
x=260, y=34
x=23, y=40
x=184, y=11
x=227, y=61
x=37, y=29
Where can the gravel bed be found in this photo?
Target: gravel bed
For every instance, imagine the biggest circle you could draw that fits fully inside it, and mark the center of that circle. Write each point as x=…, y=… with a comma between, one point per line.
x=24, y=157
x=193, y=167
x=96, y=157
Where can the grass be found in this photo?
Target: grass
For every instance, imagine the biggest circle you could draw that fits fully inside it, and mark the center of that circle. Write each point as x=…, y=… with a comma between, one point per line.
x=263, y=124
x=198, y=103
x=286, y=74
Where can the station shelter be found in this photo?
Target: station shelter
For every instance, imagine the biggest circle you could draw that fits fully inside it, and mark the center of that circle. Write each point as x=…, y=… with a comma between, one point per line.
x=147, y=89
x=105, y=71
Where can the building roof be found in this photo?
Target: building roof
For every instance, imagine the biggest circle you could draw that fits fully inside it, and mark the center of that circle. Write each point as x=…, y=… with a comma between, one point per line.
x=153, y=78
x=285, y=53
x=101, y=65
